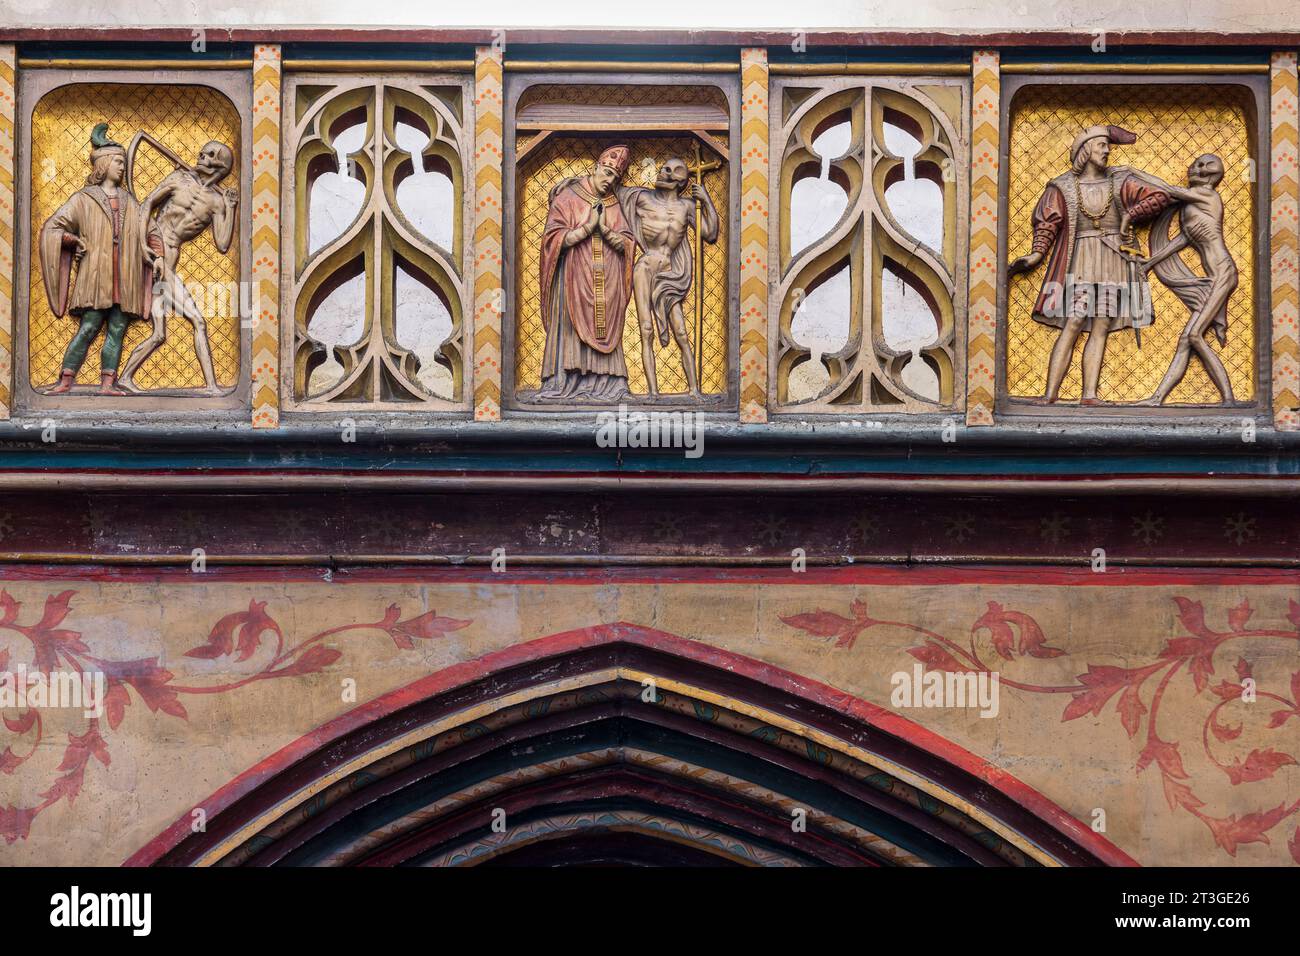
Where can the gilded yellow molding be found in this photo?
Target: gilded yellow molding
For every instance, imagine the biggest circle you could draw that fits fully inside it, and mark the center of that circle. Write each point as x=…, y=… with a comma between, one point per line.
x=868, y=69
x=1139, y=69
x=616, y=66
x=32, y=63
x=377, y=66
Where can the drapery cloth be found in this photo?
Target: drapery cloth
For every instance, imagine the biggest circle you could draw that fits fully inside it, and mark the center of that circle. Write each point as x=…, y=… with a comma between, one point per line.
x=113, y=270
x=670, y=285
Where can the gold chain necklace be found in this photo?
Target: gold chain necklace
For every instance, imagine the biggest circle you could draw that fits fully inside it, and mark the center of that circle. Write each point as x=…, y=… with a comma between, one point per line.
x=1095, y=217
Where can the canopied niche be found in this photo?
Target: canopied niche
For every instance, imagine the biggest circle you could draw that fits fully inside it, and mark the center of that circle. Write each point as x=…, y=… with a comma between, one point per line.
x=181, y=339
x=560, y=131
x=1155, y=134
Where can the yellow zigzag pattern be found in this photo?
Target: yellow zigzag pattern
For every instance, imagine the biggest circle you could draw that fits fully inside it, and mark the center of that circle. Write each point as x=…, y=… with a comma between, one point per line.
x=754, y=218
x=7, y=64
x=1285, y=241
x=488, y=290
x=265, y=276
x=981, y=361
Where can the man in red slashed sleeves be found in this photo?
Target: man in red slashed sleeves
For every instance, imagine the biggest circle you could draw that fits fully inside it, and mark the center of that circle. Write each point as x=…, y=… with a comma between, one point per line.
x=1083, y=220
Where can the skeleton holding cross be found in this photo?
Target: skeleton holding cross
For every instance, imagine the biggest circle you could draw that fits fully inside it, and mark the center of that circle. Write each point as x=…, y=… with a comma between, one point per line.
x=665, y=271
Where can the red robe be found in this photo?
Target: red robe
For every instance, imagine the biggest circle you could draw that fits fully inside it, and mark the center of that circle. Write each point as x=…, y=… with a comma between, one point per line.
x=1054, y=220
x=595, y=299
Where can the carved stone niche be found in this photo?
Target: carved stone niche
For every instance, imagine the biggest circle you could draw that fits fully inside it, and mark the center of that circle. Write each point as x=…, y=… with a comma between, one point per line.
x=558, y=128
x=378, y=281
x=1179, y=157
x=180, y=148
x=869, y=245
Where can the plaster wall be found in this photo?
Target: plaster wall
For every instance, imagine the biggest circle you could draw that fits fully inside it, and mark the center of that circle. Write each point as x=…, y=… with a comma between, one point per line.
x=1108, y=15
x=1108, y=701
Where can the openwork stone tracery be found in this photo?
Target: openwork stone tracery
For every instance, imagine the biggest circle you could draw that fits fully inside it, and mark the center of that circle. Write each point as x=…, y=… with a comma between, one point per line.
x=861, y=363
x=401, y=250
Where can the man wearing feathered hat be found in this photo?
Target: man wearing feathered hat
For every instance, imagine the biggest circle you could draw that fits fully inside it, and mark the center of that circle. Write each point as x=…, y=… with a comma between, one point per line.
x=586, y=282
x=100, y=229
x=1091, y=283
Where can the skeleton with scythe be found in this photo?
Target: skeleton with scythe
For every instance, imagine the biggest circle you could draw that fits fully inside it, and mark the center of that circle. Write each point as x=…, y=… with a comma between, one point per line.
x=184, y=204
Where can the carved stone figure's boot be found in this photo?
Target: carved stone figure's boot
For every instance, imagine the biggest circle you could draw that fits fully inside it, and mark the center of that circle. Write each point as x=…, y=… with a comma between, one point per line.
x=66, y=379
x=108, y=384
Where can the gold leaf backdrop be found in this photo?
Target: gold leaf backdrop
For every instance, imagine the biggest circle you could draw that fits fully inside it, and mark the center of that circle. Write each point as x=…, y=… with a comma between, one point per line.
x=1174, y=124
x=562, y=156
x=183, y=118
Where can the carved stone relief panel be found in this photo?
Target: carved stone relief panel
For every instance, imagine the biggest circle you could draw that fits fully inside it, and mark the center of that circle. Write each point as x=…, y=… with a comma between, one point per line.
x=380, y=287
x=626, y=295
x=1131, y=214
x=135, y=241
x=868, y=251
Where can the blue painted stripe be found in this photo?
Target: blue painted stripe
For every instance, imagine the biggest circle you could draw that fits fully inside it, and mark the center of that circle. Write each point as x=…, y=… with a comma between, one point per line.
x=639, y=463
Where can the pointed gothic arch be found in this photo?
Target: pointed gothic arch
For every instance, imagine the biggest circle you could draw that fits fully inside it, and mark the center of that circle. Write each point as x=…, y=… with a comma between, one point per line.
x=627, y=744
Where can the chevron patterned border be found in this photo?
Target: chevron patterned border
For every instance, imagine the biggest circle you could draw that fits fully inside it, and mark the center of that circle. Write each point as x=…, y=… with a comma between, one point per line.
x=981, y=329
x=266, y=235
x=488, y=290
x=754, y=219
x=8, y=65
x=1284, y=234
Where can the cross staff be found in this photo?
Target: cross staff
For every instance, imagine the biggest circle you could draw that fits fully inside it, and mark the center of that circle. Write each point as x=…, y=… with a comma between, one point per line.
x=698, y=169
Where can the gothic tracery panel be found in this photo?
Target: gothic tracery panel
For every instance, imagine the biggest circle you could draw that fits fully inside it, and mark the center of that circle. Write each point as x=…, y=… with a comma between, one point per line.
x=871, y=185
x=377, y=297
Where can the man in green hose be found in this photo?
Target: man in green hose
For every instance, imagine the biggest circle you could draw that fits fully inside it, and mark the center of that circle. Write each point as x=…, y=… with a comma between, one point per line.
x=99, y=229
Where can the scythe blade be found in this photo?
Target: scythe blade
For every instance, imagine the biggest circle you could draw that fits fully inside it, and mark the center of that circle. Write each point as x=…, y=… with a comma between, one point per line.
x=153, y=141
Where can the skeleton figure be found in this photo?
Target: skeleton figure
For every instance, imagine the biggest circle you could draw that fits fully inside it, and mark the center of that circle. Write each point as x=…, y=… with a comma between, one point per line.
x=1206, y=297
x=663, y=274
x=186, y=203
